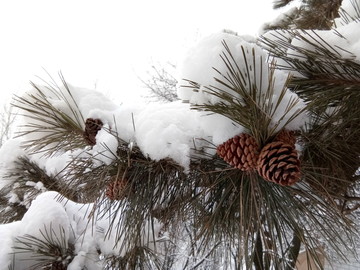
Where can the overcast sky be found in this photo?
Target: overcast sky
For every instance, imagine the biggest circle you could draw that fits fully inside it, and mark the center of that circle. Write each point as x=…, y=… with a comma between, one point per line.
x=109, y=43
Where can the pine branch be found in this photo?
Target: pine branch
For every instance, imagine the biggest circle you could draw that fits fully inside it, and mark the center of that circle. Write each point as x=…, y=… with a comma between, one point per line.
x=330, y=85
x=50, y=251
x=137, y=258
x=26, y=181
x=152, y=191
x=281, y=3
x=294, y=250
x=324, y=76
x=222, y=204
x=10, y=211
x=86, y=177
x=23, y=180
x=48, y=129
x=258, y=253
x=241, y=203
x=247, y=98
x=312, y=14
x=346, y=17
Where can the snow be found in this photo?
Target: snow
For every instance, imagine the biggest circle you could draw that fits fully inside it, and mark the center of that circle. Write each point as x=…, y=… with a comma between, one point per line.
x=10, y=151
x=350, y=32
x=173, y=130
x=13, y=198
x=218, y=128
x=92, y=102
x=199, y=63
x=105, y=148
x=7, y=232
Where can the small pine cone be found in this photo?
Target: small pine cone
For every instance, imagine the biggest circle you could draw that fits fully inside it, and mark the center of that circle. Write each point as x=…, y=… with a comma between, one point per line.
x=240, y=151
x=279, y=163
x=286, y=136
x=116, y=190
x=92, y=126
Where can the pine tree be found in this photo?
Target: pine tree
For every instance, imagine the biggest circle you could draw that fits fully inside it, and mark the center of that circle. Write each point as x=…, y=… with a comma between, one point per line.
x=91, y=191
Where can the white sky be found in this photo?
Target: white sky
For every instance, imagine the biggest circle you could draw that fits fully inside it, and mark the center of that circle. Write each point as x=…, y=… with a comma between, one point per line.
x=109, y=43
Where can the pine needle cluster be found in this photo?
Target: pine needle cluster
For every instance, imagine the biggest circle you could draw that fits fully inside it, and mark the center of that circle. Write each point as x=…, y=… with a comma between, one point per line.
x=25, y=180
x=49, y=250
x=63, y=131
x=311, y=14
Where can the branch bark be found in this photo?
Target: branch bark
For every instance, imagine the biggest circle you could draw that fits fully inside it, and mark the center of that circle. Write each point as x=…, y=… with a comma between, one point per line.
x=258, y=253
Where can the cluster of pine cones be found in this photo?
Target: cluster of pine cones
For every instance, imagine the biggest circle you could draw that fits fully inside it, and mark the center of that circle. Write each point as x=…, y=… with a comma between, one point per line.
x=276, y=162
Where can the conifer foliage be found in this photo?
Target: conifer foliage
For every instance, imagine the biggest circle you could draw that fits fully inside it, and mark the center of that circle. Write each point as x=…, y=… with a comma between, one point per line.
x=257, y=160
x=311, y=14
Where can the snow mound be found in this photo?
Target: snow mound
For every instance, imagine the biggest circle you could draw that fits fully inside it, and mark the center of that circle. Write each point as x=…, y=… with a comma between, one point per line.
x=208, y=63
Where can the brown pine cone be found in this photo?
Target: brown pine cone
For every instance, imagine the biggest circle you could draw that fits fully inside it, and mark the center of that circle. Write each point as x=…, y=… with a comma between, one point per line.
x=286, y=136
x=92, y=126
x=240, y=151
x=279, y=163
x=116, y=190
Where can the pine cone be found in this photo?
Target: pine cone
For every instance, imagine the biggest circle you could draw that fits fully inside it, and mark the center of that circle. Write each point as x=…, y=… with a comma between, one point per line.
x=279, y=163
x=116, y=190
x=286, y=136
x=240, y=151
x=92, y=126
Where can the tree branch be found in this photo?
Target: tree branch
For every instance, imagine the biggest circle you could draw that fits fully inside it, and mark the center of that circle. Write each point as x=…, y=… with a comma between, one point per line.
x=293, y=251
x=258, y=252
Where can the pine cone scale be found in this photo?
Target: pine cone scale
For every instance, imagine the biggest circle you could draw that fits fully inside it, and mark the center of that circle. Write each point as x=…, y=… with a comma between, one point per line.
x=282, y=164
